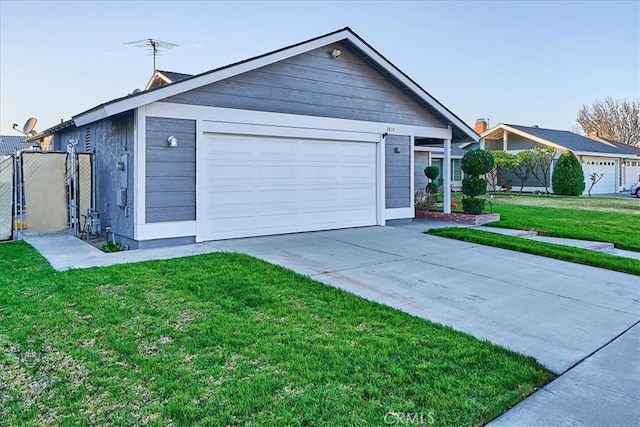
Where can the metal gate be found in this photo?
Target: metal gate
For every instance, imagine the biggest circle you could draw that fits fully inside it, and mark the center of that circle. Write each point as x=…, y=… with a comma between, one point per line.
x=53, y=192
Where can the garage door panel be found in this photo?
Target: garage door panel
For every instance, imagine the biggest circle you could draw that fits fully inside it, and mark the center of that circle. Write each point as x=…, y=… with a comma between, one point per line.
x=607, y=183
x=273, y=172
x=266, y=185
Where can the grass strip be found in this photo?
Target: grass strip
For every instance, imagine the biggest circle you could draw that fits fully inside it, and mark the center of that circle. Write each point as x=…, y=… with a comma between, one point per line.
x=620, y=228
x=550, y=250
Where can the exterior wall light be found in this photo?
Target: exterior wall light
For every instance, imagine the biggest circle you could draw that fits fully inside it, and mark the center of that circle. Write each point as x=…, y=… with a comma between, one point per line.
x=335, y=53
x=396, y=150
x=172, y=141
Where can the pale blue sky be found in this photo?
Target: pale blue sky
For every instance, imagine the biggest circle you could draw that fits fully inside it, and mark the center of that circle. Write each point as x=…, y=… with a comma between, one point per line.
x=514, y=62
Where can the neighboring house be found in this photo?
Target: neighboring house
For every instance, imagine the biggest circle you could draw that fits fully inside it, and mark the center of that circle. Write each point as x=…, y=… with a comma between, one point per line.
x=619, y=163
x=10, y=145
x=315, y=136
x=162, y=78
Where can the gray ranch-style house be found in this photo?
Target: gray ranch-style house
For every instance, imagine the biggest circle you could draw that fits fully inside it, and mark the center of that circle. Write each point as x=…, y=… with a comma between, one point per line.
x=315, y=136
x=619, y=163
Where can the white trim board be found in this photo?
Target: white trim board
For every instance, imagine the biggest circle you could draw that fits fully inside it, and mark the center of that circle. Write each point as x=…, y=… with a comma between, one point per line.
x=165, y=230
x=140, y=169
x=231, y=115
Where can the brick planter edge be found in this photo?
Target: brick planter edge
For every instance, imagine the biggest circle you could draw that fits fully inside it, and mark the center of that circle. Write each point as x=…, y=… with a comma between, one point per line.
x=460, y=218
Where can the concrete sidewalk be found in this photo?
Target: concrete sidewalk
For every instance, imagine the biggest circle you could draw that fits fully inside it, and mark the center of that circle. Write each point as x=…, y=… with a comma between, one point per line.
x=64, y=251
x=576, y=397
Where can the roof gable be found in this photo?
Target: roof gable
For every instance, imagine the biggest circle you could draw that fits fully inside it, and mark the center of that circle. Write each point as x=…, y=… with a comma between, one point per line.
x=161, y=78
x=461, y=130
x=314, y=84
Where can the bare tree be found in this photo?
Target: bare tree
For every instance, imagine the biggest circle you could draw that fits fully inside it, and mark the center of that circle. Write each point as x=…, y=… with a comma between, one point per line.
x=614, y=119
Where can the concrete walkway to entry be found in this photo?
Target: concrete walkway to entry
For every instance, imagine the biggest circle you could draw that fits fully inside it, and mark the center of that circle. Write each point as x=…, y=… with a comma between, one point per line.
x=581, y=322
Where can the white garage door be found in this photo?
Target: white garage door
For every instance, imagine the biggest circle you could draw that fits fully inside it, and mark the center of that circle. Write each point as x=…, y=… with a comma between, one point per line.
x=631, y=173
x=608, y=182
x=261, y=185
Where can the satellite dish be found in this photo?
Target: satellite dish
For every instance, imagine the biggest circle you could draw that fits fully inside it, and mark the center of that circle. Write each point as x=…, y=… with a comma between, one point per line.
x=29, y=125
x=136, y=91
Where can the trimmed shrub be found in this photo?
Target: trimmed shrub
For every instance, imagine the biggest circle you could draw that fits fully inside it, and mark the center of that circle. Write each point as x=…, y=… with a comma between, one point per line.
x=477, y=162
x=432, y=172
x=473, y=205
x=474, y=187
x=568, y=176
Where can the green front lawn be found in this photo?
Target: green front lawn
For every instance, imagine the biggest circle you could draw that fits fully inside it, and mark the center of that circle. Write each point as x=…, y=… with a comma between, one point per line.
x=225, y=339
x=610, y=220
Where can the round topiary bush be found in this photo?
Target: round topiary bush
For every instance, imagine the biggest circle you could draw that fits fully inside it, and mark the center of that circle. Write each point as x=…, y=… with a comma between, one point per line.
x=432, y=173
x=568, y=177
x=477, y=162
x=474, y=187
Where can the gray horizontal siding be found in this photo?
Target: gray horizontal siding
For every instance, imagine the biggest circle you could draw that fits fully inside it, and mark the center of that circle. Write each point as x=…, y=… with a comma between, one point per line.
x=170, y=172
x=397, y=171
x=316, y=84
x=420, y=161
x=517, y=142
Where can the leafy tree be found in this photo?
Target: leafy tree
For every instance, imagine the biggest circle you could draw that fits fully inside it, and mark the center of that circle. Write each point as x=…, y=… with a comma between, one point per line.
x=474, y=164
x=568, y=177
x=545, y=159
x=614, y=119
x=526, y=162
x=501, y=161
x=432, y=173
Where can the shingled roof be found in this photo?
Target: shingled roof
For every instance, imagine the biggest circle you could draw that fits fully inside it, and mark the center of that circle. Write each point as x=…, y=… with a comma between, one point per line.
x=575, y=142
x=10, y=144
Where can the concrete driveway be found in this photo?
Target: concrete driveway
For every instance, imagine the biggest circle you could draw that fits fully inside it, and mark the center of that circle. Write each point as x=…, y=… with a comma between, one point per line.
x=574, y=319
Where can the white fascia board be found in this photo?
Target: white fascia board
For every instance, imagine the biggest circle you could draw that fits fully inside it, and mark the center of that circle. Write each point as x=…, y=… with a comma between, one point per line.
x=212, y=77
x=413, y=86
x=230, y=115
x=164, y=230
x=91, y=117
x=615, y=156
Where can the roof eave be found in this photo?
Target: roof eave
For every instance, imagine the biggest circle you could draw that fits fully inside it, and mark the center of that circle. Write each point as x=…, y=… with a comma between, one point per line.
x=144, y=98
x=50, y=131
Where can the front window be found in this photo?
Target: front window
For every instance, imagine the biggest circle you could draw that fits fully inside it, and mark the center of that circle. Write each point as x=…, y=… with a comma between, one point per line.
x=457, y=172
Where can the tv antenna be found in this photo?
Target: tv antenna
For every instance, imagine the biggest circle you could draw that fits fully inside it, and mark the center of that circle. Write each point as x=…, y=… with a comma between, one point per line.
x=153, y=47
